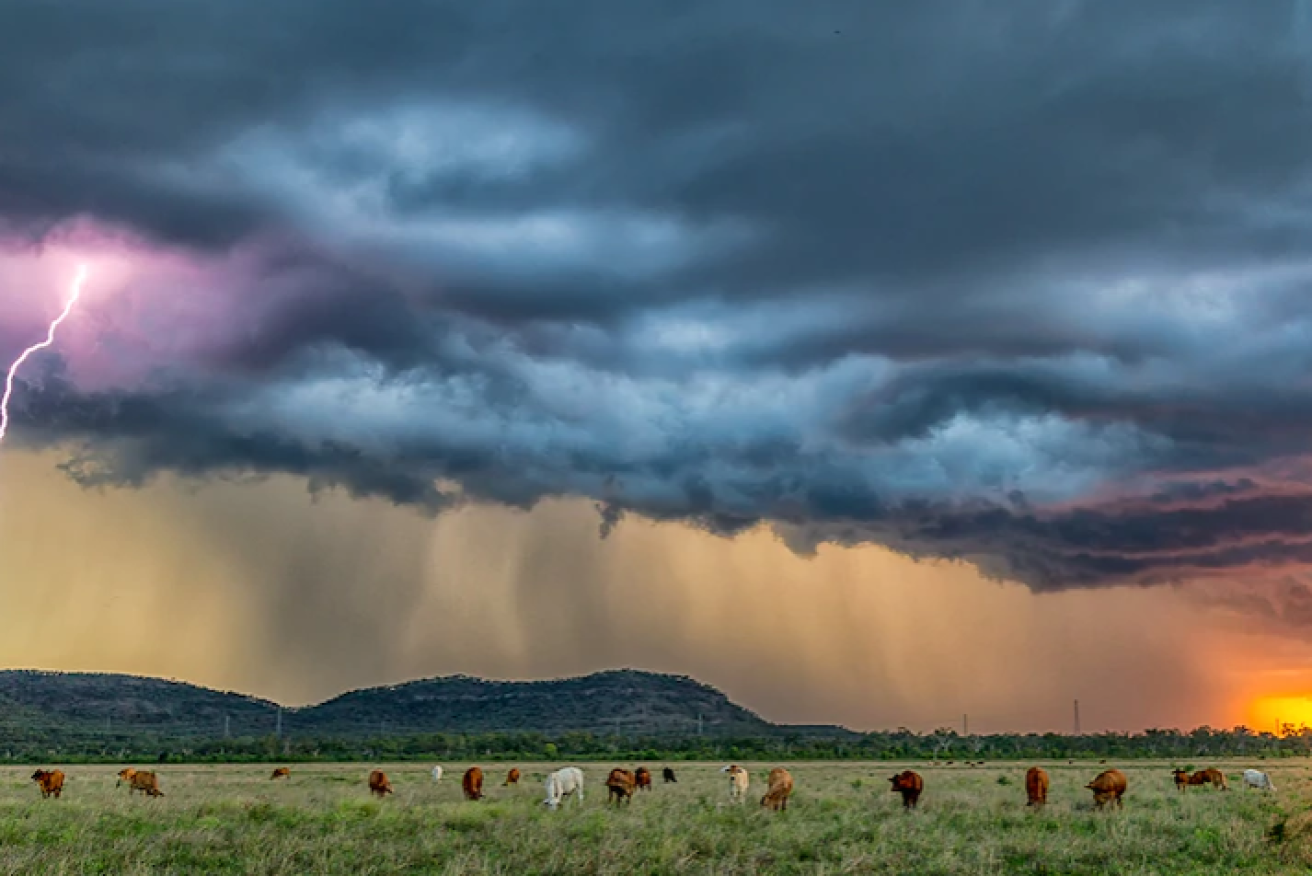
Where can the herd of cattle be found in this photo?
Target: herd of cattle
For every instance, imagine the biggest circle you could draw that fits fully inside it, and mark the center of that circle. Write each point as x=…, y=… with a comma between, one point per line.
x=1108, y=787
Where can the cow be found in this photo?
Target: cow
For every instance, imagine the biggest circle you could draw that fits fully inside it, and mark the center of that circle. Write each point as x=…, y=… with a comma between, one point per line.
x=472, y=784
x=145, y=782
x=125, y=775
x=642, y=778
x=378, y=784
x=281, y=773
x=1209, y=776
x=909, y=785
x=437, y=773
x=779, y=789
x=51, y=783
x=562, y=783
x=1258, y=779
x=621, y=785
x=738, y=782
x=1108, y=787
x=1036, y=786
x=669, y=776
x=512, y=777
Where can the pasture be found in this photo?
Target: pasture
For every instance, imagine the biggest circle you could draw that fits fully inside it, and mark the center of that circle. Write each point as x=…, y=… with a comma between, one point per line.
x=842, y=819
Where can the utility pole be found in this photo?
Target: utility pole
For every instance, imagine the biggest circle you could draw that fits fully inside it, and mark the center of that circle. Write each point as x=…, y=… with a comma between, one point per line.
x=965, y=725
x=699, y=723
x=227, y=726
x=279, y=730
x=1077, y=717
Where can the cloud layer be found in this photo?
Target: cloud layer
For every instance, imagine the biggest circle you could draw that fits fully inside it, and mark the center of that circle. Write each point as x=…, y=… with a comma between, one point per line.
x=1027, y=288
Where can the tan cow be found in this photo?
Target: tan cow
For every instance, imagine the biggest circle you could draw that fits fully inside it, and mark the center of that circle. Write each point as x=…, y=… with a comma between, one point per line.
x=281, y=773
x=1108, y=787
x=642, y=777
x=780, y=788
x=472, y=784
x=910, y=785
x=738, y=782
x=146, y=782
x=621, y=784
x=378, y=784
x=51, y=783
x=1036, y=786
x=512, y=777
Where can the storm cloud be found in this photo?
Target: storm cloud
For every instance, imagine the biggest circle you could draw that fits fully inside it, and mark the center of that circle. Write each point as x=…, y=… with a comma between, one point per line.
x=1023, y=287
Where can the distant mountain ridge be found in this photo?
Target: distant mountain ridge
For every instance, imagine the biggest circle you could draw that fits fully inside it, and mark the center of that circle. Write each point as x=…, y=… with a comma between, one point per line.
x=624, y=701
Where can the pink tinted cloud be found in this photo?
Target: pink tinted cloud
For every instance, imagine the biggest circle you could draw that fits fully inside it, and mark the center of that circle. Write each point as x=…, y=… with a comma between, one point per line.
x=143, y=308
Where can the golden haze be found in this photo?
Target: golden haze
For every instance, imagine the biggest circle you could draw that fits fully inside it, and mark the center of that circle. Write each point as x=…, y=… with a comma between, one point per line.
x=258, y=587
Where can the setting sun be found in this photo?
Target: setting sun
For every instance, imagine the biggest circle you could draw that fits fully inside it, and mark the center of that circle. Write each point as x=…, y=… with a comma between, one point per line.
x=1267, y=714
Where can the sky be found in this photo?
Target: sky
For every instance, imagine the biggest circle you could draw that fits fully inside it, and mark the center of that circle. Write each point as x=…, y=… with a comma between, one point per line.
x=876, y=363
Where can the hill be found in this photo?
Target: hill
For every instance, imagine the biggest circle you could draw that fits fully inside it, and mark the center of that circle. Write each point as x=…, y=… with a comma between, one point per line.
x=619, y=701
x=623, y=702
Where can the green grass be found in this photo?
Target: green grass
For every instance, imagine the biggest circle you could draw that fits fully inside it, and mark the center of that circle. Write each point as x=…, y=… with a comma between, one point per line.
x=842, y=819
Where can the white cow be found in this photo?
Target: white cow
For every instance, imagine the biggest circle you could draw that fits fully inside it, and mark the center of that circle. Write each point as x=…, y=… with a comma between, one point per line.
x=437, y=773
x=1258, y=779
x=562, y=783
x=738, y=782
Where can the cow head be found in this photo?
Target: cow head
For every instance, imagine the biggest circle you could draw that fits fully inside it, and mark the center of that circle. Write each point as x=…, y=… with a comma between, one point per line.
x=39, y=775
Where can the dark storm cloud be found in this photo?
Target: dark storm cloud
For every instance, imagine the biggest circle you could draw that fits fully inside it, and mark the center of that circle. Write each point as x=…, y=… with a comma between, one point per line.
x=1024, y=287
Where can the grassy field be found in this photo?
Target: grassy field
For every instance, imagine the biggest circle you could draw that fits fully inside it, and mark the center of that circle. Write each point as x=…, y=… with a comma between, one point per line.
x=842, y=819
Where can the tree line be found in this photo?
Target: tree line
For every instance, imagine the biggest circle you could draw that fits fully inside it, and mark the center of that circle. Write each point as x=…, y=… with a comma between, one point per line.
x=29, y=745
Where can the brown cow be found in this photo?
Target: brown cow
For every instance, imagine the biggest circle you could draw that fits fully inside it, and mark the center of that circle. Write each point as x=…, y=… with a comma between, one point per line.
x=378, y=784
x=1216, y=777
x=1036, y=786
x=281, y=773
x=472, y=784
x=1209, y=776
x=642, y=778
x=146, y=782
x=512, y=777
x=909, y=785
x=1108, y=787
x=622, y=784
x=51, y=783
x=780, y=789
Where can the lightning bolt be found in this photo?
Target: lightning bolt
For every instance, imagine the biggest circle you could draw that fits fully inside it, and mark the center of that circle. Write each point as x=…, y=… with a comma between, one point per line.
x=78, y=280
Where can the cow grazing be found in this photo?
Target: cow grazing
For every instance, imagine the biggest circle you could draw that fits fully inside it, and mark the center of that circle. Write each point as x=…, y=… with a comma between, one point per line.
x=437, y=773
x=1209, y=776
x=562, y=783
x=378, y=784
x=1108, y=787
x=50, y=782
x=145, y=782
x=512, y=777
x=780, y=788
x=1258, y=779
x=621, y=784
x=1036, y=786
x=642, y=778
x=738, y=782
x=281, y=773
x=669, y=776
x=472, y=784
x=909, y=785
